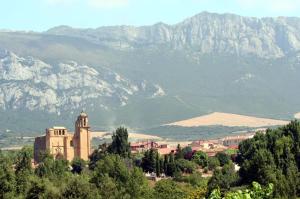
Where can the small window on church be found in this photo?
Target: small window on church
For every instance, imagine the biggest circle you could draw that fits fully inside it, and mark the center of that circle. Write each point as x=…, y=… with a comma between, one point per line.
x=71, y=143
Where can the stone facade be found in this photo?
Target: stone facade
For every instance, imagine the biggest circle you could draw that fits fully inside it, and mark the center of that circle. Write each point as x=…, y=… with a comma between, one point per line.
x=62, y=144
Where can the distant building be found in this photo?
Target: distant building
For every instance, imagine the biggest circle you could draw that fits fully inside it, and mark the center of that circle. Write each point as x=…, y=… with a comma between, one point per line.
x=162, y=149
x=143, y=146
x=234, y=141
x=62, y=144
x=166, y=150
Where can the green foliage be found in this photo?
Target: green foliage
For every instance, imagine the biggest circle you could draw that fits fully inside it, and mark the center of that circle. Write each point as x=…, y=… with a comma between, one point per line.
x=185, y=165
x=23, y=161
x=200, y=158
x=223, y=178
x=231, y=151
x=198, y=193
x=112, y=166
x=115, y=179
x=179, y=153
x=97, y=154
x=23, y=169
x=187, y=152
x=170, y=167
x=51, y=168
x=108, y=188
x=78, y=165
x=7, y=178
x=158, y=162
x=273, y=158
x=223, y=158
x=137, y=186
x=168, y=189
x=213, y=163
x=79, y=188
x=42, y=189
x=149, y=160
x=120, y=143
x=256, y=192
x=195, y=179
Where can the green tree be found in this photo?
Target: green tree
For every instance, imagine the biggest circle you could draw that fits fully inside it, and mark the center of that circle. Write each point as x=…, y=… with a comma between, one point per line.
x=137, y=186
x=200, y=158
x=213, y=163
x=187, y=152
x=185, y=165
x=171, y=168
x=223, y=158
x=78, y=165
x=51, y=168
x=179, y=153
x=273, y=157
x=23, y=161
x=157, y=164
x=256, y=192
x=149, y=160
x=223, y=178
x=23, y=169
x=42, y=189
x=7, y=178
x=120, y=143
x=168, y=189
x=108, y=188
x=79, y=188
x=112, y=166
x=98, y=154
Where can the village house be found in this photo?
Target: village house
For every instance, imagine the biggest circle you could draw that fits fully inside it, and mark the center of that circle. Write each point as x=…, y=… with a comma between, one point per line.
x=234, y=141
x=162, y=149
x=143, y=146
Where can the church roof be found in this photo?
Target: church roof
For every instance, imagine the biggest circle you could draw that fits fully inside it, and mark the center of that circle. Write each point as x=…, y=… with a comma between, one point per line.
x=83, y=114
x=59, y=127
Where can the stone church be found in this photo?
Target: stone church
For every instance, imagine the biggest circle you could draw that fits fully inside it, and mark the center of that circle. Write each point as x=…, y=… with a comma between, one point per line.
x=62, y=144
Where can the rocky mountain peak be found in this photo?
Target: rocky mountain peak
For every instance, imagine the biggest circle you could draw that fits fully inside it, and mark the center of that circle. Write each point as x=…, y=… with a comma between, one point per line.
x=203, y=33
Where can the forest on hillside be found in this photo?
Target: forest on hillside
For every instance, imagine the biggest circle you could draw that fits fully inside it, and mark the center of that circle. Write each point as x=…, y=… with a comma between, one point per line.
x=269, y=168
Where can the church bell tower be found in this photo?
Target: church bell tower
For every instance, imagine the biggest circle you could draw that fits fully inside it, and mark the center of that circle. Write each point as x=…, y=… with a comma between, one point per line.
x=82, y=136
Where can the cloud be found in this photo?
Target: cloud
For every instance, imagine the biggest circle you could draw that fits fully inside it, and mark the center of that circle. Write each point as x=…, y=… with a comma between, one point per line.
x=107, y=3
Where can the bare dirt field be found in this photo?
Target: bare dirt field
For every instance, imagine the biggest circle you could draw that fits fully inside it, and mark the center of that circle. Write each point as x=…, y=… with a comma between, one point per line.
x=131, y=135
x=228, y=119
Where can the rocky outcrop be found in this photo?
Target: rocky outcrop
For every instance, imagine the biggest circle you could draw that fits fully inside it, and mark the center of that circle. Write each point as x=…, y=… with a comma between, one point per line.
x=35, y=85
x=203, y=33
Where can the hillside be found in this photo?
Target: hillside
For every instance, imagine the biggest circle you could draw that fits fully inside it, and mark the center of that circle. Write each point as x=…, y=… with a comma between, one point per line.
x=205, y=32
x=206, y=63
x=229, y=120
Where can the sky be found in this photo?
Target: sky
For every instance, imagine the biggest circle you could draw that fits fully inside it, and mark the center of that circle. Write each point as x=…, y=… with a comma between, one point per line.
x=40, y=15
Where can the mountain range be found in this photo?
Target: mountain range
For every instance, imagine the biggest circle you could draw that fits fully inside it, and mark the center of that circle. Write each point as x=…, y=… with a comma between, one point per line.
x=146, y=76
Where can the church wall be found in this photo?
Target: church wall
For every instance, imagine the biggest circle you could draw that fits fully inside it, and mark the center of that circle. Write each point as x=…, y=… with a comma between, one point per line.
x=58, y=141
x=69, y=148
x=56, y=145
x=84, y=148
x=39, y=146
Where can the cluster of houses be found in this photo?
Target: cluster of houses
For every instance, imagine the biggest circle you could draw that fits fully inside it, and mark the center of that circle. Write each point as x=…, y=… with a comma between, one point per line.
x=211, y=147
x=63, y=144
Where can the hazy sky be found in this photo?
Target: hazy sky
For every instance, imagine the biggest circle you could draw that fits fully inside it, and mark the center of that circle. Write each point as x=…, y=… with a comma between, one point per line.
x=39, y=15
